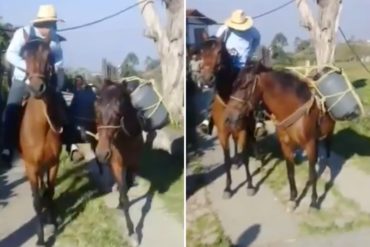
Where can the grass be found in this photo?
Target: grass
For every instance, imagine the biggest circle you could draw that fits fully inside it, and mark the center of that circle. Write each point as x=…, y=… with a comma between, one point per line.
x=165, y=173
x=85, y=220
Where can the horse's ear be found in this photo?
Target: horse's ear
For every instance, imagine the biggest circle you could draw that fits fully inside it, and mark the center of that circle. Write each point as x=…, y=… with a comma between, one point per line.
x=205, y=36
x=25, y=35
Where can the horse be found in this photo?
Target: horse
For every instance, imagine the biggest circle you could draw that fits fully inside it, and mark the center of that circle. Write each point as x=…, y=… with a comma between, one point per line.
x=120, y=141
x=299, y=120
x=40, y=141
x=217, y=69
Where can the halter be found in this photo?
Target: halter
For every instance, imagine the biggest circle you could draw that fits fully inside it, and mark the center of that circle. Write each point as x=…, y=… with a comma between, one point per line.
x=243, y=101
x=120, y=126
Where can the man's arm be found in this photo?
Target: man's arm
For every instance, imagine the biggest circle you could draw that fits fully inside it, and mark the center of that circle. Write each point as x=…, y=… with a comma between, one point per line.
x=58, y=64
x=13, y=53
x=256, y=40
x=221, y=31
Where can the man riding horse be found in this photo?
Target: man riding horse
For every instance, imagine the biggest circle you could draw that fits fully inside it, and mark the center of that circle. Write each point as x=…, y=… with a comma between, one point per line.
x=241, y=39
x=43, y=27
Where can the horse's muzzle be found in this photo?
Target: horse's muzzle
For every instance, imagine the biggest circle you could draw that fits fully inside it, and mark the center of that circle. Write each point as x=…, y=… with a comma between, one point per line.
x=103, y=156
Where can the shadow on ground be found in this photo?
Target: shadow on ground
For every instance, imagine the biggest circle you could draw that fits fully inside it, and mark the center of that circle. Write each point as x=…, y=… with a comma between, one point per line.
x=248, y=236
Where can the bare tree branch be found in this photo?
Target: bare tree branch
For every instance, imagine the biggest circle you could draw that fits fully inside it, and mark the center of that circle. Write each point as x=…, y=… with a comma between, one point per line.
x=308, y=21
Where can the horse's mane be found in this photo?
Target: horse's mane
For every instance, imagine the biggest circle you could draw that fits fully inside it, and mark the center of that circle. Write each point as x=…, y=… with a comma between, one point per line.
x=32, y=46
x=290, y=82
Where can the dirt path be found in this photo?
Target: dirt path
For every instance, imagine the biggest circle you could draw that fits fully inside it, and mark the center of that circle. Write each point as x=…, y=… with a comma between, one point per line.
x=262, y=220
x=17, y=227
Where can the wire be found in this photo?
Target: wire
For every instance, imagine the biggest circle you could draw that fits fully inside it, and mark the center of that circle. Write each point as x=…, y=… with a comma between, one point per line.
x=353, y=50
x=253, y=17
x=102, y=19
x=89, y=23
x=273, y=10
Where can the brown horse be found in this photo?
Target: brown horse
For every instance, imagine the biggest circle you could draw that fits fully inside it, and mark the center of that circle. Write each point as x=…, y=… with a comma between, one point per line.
x=40, y=130
x=120, y=140
x=299, y=120
x=217, y=69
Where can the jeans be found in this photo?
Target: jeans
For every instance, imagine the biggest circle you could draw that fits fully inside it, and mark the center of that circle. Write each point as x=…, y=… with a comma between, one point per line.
x=12, y=114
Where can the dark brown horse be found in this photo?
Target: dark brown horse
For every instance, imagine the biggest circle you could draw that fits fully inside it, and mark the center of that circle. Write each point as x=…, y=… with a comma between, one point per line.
x=299, y=120
x=40, y=130
x=217, y=69
x=120, y=141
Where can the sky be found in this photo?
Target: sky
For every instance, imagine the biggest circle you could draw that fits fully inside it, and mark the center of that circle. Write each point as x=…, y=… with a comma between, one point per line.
x=354, y=19
x=86, y=47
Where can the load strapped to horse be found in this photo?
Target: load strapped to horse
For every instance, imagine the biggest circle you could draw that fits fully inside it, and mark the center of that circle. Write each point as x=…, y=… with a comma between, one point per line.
x=145, y=98
x=334, y=91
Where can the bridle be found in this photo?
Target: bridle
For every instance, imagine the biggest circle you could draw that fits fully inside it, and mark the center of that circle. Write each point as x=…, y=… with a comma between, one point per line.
x=248, y=100
x=120, y=126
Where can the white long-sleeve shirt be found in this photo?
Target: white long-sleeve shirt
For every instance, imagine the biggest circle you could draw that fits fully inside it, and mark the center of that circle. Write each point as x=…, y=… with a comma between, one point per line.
x=14, y=56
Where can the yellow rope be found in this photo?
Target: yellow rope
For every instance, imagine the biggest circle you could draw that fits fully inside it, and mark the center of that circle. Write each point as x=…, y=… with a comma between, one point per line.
x=323, y=98
x=156, y=105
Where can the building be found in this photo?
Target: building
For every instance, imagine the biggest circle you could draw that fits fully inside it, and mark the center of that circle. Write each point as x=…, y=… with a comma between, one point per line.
x=196, y=25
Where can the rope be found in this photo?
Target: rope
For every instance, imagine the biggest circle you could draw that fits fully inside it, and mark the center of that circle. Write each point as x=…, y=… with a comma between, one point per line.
x=297, y=114
x=50, y=123
x=323, y=98
x=353, y=50
x=156, y=105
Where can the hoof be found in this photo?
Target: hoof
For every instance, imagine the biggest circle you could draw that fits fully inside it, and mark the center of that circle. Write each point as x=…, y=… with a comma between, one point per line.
x=227, y=194
x=291, y=206
x=235, y=166
x=313, y=207
x=40, y=243
x=251, y=191
x=134, y=240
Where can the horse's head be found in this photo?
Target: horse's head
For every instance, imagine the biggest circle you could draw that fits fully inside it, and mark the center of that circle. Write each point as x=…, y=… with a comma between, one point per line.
x=39, y=64
x=213, y=55
x=115, y=117
x=245, y=96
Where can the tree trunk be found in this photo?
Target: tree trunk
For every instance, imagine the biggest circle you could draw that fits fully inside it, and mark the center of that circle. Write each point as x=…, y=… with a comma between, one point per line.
x=323, y=30
x=169, y=42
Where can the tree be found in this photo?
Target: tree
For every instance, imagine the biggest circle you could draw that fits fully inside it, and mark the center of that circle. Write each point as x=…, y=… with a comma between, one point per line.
x=169, y=42
x=151, y=63
x=322, y=29
x=128, y=66
x=279, y=40
x=301, y=44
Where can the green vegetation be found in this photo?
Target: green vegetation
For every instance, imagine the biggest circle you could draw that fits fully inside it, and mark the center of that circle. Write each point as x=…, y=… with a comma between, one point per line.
x=85, y=220
x=165, y=173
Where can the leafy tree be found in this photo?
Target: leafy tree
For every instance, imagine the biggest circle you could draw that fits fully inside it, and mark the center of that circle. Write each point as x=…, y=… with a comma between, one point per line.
x=151, y=63
x=128, y=66
x=279, y=40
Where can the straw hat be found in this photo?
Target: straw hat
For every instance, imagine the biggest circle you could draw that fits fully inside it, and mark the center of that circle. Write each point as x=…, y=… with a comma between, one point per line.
x=239, y=21
x=46, y=13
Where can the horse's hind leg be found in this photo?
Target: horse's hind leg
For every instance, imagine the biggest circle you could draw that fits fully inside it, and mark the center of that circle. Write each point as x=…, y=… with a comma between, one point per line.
x=289, y=158
x=37, y=202
x=120, y=174
x=311, y=150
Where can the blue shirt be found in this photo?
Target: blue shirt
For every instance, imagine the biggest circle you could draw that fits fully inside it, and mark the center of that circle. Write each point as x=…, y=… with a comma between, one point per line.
x=241, y=44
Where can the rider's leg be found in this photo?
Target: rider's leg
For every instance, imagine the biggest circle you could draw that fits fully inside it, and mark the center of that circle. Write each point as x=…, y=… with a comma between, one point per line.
x=11, y=120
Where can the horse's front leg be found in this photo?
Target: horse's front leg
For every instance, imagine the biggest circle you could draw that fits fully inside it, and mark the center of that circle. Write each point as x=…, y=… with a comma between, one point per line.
x=120, y=174
x=251, y=190
x=289, y=158
x=37, y=202
x=311, y=150
x=224, y=140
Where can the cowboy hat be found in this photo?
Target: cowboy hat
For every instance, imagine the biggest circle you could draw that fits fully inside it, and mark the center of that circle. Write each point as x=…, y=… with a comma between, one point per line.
x=239, y=21
x=46, y=13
